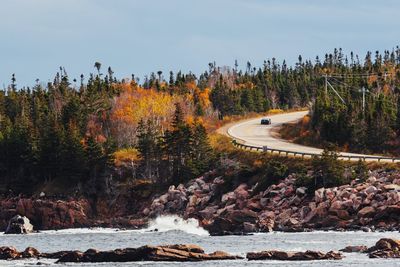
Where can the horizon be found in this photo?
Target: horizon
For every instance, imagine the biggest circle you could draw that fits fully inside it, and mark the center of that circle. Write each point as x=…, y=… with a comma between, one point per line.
x=140, y=38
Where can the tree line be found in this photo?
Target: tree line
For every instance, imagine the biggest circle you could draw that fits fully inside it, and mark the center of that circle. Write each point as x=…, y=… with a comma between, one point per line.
x=77, y=130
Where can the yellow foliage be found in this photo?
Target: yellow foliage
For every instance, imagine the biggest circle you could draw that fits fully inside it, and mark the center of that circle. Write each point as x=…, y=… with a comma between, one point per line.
x=136, y=103
x=246, y=85
x=275, y=111
x=128, y=155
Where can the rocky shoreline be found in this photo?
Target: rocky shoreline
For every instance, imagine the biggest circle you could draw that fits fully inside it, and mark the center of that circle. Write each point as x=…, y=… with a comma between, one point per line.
x=384, y=248
x=368, y=206
x=371, y=205
x=56, y=214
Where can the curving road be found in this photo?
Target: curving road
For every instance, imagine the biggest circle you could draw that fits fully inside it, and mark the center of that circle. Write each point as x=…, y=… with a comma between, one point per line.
x=252, y=133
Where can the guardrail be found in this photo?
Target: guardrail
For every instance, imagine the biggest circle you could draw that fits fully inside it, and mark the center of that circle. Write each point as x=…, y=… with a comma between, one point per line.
x=302, y=154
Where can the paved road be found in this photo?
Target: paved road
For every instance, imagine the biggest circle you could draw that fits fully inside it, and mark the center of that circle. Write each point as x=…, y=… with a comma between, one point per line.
x=251, y=132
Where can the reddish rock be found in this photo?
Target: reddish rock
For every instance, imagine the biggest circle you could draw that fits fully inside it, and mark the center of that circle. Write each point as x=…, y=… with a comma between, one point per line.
x=350, y=249
x=293, y=256
x=30, y=252
x=366, y=212
x=177, y=253
x=9, y=253
x=385, y=248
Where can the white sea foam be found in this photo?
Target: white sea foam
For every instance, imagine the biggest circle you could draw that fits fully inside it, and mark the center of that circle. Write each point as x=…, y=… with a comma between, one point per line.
x=173, y=222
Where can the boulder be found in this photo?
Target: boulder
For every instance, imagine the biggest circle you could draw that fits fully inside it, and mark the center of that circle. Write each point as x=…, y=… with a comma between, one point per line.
x=385, y=248
x=293, y=256
x=366, y=212
x=301, y=191
x=371, y=190
x=390, y=187
x=30, y=252
x=249, y=227
x=9, y=253
x=19, y=225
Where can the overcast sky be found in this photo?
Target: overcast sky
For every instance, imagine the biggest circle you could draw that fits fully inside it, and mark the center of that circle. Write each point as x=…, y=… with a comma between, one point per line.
x=140, y=36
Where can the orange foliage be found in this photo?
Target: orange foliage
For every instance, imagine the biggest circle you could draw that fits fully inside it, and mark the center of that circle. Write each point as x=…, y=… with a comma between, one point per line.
x=205, y=97
x=372, y=79
x=386, y=89
x=306, y=120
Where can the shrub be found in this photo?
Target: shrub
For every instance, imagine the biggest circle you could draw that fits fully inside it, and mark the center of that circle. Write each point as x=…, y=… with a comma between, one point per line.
x=328, y=170
x=275, y=171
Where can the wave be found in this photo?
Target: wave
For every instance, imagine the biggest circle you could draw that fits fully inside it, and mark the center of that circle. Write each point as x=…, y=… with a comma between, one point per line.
x=167, y=223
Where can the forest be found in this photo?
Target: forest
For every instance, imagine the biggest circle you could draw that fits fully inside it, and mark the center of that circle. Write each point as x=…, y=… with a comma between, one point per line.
x=84, y=132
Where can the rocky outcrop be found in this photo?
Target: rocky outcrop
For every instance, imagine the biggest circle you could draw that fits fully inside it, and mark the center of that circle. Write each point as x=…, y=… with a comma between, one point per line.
x=369, y=205
x=147, y=253
x=19, y=225
x=385, y=248
x=47, y=213
x=351, y=249
x=293, y=256
x=179, y=252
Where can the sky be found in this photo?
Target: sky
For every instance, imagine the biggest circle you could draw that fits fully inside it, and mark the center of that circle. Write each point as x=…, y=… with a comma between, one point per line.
x=141, y=36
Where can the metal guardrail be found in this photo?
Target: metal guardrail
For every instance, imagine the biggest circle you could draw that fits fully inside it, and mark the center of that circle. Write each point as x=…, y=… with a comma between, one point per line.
x=302, y=154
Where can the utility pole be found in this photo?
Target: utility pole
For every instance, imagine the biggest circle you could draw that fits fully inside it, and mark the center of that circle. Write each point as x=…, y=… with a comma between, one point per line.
x=363, y=91
x=336, y=92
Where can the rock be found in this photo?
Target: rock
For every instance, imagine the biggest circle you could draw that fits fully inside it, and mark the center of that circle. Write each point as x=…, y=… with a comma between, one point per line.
x=164, y=198
x=350, y=249
x=146, y=211
x=366, y=212
x=264, y=202
x=241, y=192
x=293, y=256
x=228, y=197
x=249, y=227
x=19, y=225
x=385, y=248
x=178, y=253
x=208, y=213
x=192, y=201
x=343, y=214
x=73, y=256
x=389, y=187
x=301, y=191
x=9, y=253
x=30, y=252
x=371, y=190
x=241, y=216
x=220, y=226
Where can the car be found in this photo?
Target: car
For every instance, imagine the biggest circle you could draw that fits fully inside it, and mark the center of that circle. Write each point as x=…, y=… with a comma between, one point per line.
x=266, y=121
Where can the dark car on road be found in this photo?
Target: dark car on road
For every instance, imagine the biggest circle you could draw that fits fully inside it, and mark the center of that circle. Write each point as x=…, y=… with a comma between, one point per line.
x=266, y=121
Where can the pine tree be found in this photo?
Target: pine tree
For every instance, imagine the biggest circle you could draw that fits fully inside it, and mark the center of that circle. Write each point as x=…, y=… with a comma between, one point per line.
x=149, y=148
x=177, y=146
x=201, y=154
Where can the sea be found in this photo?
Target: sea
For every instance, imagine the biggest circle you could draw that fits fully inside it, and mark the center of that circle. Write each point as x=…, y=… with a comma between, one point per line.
x=174, y=230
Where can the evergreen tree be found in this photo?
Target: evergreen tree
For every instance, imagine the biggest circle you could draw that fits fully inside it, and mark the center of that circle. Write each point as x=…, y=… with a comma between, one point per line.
x=201, y=154
x=178, y=146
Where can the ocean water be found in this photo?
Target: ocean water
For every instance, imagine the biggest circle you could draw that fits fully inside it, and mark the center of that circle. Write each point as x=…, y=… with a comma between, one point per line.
x=173, y=230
